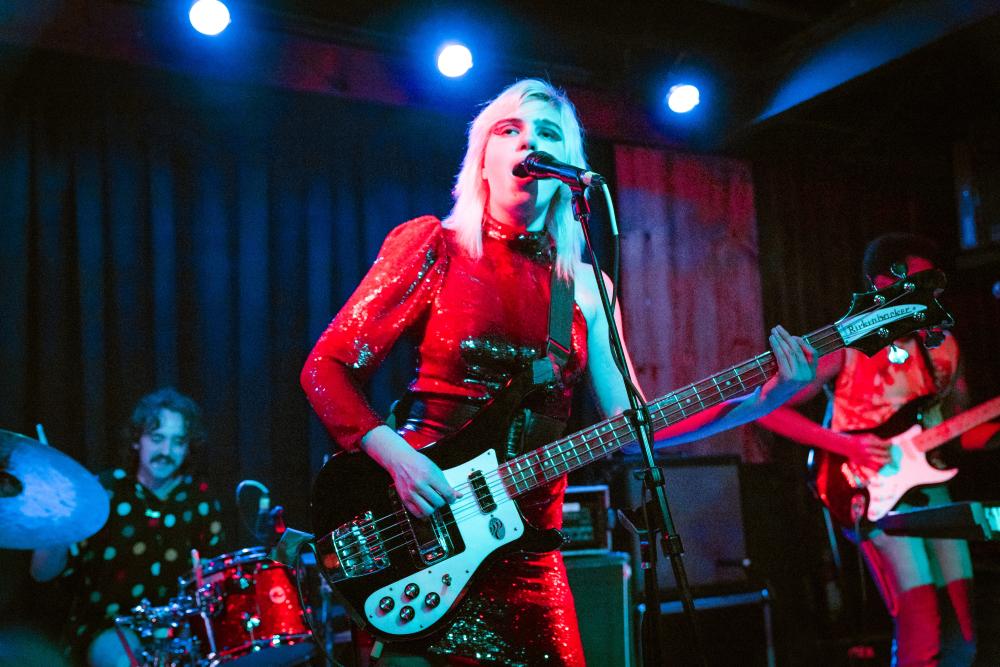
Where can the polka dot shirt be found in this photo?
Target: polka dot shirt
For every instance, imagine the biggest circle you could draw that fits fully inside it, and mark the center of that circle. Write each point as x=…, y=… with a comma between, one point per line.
x=140, y=552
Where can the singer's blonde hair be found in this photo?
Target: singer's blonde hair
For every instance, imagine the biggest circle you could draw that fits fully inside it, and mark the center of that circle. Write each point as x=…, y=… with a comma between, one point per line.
x=471, y=191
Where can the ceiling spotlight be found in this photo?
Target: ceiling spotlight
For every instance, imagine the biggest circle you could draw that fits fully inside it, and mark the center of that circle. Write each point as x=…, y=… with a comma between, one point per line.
x=683, y=97
x=454, y=60
x=209, y=17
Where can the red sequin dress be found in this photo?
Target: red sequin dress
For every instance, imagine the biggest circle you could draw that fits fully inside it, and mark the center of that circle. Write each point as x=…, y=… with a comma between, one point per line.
x=475, y=323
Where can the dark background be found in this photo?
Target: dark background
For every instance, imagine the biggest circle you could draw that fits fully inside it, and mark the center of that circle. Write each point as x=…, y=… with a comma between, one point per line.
x=126, y=260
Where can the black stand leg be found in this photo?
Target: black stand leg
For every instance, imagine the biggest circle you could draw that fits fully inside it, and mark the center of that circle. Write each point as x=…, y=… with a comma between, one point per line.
x=661, y=520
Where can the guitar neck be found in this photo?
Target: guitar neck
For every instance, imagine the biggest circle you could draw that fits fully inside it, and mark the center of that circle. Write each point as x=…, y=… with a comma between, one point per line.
x=957, y=425
x=533, y=469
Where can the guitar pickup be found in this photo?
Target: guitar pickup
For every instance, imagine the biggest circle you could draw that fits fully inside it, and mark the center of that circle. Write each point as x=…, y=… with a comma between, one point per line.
x=431, y=537
x=482, y=491
x=440, y=546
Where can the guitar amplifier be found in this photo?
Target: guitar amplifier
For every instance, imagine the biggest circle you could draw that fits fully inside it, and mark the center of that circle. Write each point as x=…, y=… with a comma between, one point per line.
x=602, y=595
x=704, y=497
x=586, y=524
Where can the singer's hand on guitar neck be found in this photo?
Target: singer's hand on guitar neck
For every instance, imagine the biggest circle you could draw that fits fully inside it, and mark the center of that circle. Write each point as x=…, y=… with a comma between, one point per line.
x=796, y=361
x=795, y=357
x=419, y=482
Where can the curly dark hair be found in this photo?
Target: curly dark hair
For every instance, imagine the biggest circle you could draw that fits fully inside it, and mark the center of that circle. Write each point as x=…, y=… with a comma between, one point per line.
x=895, y=247
x=146, y=418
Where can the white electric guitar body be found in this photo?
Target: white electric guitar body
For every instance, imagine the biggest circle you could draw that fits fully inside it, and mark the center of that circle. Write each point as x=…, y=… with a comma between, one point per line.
x=908, y=467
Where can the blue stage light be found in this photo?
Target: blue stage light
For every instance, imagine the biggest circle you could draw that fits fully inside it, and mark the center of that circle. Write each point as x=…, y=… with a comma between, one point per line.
x=683, y=97
x=454, y=60
x=209, y=17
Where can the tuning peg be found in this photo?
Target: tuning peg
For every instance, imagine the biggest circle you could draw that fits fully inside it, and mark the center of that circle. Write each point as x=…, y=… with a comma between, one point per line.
x=933, y=338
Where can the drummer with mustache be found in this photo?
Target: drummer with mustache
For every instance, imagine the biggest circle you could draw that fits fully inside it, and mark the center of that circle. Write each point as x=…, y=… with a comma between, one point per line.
x=159, y=512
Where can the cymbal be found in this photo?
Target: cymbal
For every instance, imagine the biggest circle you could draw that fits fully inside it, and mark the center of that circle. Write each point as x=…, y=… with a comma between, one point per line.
x=46, y=497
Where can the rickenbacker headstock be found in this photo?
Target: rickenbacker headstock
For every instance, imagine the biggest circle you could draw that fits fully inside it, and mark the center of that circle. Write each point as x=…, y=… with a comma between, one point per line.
x=877, y=318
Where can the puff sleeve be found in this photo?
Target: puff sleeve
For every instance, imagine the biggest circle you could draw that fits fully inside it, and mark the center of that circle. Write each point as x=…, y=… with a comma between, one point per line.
x=398, y=289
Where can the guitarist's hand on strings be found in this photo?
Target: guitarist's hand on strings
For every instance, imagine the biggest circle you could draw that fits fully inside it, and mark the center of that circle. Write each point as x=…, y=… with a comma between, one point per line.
x=867, y=450
x=419, y=481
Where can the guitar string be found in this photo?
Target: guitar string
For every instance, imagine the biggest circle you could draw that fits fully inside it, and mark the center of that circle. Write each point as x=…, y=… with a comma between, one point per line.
x=660, y=407
x=664, y=410
x=497, y=482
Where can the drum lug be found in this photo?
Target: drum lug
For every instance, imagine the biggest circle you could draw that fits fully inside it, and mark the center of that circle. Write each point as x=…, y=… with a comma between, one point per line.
x=250, y=622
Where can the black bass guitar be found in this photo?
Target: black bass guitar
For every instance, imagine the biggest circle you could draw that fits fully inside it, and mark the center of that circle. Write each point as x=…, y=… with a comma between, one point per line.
x=401, y=577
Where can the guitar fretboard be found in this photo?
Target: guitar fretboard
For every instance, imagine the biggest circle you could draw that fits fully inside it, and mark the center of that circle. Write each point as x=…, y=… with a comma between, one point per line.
x=957, y=425
x=533, y=469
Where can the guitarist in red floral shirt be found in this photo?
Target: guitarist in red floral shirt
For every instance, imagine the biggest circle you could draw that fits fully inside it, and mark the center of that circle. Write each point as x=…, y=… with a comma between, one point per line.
x=926, y=584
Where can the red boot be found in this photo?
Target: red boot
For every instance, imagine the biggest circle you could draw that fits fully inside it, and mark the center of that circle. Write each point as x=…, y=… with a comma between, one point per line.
x=918, y=628
x=958, y=630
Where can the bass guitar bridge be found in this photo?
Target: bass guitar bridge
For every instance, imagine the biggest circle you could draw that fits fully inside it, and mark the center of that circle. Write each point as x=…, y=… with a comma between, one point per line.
x=355, y=549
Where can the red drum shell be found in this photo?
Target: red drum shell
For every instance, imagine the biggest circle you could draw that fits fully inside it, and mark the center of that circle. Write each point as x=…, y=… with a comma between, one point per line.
x=251, y=610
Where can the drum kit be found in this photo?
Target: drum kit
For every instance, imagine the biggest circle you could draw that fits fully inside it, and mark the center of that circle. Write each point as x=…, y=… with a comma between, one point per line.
x=239, y=608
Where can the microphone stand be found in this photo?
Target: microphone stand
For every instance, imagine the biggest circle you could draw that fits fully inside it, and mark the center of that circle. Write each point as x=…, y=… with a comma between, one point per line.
x=651, y=476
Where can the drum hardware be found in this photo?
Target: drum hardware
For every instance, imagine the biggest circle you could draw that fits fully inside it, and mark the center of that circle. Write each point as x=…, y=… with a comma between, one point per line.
x=165, y=632
x=245, y=613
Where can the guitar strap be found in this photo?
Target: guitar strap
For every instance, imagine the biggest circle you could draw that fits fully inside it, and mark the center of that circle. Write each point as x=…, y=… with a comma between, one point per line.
x=531, y=429
x=828, y=413
x=942, y=400
x=943, y=390
x=559, y=344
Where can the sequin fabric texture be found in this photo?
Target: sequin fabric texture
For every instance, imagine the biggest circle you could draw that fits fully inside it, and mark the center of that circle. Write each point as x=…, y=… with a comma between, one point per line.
x=475, y=323
x=139, y=553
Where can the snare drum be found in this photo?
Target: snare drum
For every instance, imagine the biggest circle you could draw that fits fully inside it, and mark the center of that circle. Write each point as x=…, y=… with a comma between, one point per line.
x=251, y=611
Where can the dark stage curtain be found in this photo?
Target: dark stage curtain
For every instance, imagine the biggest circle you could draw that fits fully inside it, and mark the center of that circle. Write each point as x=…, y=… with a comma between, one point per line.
x=160, y=230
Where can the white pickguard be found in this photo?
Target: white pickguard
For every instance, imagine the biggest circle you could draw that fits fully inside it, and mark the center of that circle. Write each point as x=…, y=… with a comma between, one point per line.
x=907, y=468
x=480, y=542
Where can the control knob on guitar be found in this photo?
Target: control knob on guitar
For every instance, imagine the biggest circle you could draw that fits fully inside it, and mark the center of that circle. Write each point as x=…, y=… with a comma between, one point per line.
x=401, y=577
